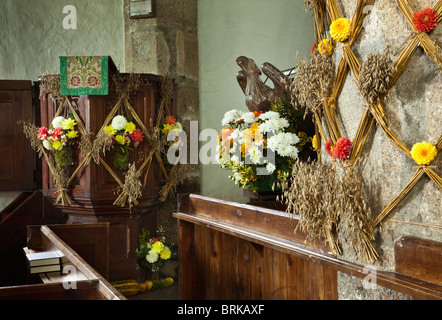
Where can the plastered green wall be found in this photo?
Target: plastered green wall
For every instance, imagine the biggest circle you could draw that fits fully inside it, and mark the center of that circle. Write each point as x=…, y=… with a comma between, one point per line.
x=32, y=36
x=266, y=31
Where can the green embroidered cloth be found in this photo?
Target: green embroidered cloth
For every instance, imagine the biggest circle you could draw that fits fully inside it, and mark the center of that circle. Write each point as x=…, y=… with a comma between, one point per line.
x=84, y=75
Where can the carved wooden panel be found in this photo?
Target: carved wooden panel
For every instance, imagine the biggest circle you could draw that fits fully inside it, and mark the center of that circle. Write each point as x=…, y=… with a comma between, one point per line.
x=17, y=169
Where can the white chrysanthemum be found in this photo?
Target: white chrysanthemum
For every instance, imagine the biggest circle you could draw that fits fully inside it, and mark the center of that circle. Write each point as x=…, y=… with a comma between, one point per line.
x=287, y=151
x=235, y=134
x=249, y=117
x=152, y=256
x=263, y=127
x=237, y=177
x=269, y=115
x=274, y=125
x=288, y=138
x=235, y=160
x=119, y=123
x=283, y=123
x=231, y=117
x=273, y=142
x=58, y=122
x=270, y=167
x=255, y=154
x=47, y=145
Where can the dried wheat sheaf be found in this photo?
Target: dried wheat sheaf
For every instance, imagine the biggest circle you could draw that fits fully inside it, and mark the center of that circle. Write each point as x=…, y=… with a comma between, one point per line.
x=330, y=203
x=375, y=75
x=313, y=82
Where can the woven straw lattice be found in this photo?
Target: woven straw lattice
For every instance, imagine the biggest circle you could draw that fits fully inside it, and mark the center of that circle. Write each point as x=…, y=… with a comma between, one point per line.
x=374, y=113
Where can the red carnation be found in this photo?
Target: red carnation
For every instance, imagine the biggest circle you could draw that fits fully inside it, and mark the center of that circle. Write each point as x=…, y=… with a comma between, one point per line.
x=328, y=147
x=425, y=20
x=342, y=148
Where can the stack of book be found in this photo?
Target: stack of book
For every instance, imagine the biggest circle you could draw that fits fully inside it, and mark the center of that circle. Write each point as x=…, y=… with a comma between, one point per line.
x=42, y=262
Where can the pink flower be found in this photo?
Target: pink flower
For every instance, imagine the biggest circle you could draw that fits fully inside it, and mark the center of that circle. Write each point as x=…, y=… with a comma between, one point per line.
x=57, y=133
x=42, y=133
x=342, y=148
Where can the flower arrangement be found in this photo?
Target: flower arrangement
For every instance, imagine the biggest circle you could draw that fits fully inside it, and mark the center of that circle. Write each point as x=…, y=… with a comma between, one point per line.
x=152, y=251
x=59, y=138
x=425, y=20
x=171, y=129
x=340, y=29
x=423, y=153
x=249, y=140
x=121, y=134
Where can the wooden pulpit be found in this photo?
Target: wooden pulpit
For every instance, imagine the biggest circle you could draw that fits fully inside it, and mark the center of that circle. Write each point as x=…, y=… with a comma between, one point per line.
x=94, y=189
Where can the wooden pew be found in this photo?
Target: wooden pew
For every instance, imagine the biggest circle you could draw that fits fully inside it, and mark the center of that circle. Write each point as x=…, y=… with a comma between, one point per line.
x=26, y=209
x=235, y=251
x=82, y=282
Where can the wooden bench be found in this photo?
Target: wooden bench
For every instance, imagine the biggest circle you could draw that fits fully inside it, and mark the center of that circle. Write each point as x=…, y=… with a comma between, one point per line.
x=235, y=251
x=80, y=281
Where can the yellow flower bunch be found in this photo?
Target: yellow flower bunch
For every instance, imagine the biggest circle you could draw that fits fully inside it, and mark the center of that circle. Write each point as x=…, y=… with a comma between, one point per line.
x=340, y=29
x=325, y=47
x=423, y=153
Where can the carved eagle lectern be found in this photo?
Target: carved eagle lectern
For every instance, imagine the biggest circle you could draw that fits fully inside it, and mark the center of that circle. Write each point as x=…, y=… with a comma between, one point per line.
x=259, y=96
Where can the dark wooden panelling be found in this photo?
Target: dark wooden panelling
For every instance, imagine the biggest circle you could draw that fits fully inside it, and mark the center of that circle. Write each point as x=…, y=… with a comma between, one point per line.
x=17, y=169
x=228, y=267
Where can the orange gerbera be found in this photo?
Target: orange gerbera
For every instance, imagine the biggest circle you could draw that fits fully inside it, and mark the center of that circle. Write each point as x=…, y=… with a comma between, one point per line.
x=328, y=147
x=170, y=120
x=425, y=20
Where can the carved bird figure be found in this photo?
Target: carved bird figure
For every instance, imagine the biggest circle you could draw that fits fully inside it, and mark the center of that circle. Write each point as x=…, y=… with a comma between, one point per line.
x=259, y=96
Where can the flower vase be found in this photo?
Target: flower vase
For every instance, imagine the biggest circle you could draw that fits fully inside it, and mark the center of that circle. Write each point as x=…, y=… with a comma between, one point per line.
x=155, y=273
x=121, y=158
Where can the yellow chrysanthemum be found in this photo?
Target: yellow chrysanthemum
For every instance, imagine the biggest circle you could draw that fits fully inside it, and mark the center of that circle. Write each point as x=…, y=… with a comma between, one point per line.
x=110, y=130
x=68, y=124
x=167, y=128
x=72, y=134
x=165, y=254
x=130, y=127
x=340, y=29
x=315, y=144
x=120, y=139
x=157, y=247
x=57, y=145
x=423, y=153
x=325, y=47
